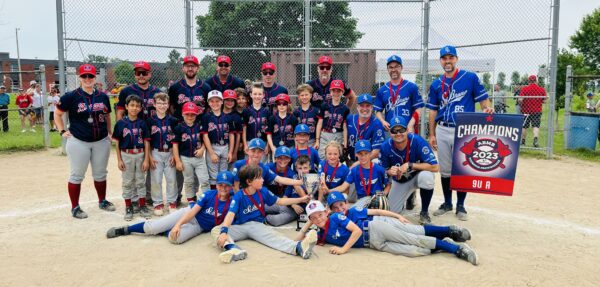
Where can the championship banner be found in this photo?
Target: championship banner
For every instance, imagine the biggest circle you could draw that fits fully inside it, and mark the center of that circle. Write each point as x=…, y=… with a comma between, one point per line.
x=486, y=151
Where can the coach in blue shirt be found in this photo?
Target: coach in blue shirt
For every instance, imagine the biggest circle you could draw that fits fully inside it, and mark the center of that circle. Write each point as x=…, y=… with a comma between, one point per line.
x=4, y=100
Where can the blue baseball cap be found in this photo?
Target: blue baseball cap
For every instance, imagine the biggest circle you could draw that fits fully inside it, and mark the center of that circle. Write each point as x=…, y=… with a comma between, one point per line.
x=283, y=151
x=394, y=58
x=398, y=122
x=301, y=129
x=365, y=98
x=448, y=50
x=256, y=143
x=362, y=145
x=334, y=197
x=225, y=177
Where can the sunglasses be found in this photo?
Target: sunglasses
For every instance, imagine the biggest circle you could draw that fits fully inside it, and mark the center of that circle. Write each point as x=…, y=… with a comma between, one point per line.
x=141, y=73
x=223, y=65
x=282, y=103
x=324, y=68
x=268, y=73
x=400, y=130
x=87, y=76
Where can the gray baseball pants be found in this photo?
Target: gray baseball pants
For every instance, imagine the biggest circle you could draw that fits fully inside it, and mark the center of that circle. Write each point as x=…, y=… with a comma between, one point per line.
x=134, y=183
x=390, y=235
x=445, y=142
x=163, y=168
x=259, y=233
x=400, y=192
x=194, y=167
x=166, y=223
x=82, y=153
x=278, y=215
x=213, y=168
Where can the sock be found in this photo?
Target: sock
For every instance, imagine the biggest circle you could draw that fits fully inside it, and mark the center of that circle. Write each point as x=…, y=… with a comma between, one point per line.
x=137, y=228
x=447, y=191
x=446, y=246
x=100, y=189
x=74, y=191
x=436, y=231
x=142, y=201
x=426, y=195
x=230, y=246
x=460, y=198
x=299, y=248
x=127, y=202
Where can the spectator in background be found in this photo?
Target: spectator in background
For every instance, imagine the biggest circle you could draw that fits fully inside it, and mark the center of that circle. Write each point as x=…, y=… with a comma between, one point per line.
x=53, y=99
x=589, y=103
x=499, y=97
x=517, y=91
x=531, y=99
x=37, y=104
x=24, y=101
x=4, y=101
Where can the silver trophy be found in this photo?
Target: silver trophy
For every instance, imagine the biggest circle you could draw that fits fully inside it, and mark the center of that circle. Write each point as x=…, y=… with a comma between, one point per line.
x=311, y=183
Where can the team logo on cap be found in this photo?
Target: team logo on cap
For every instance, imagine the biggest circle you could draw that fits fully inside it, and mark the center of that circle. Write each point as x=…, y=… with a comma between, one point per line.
x=362, y=144
x=87, y=68
x=485, y=154
x=312, y=205
x=447, y=50
x=224, y=176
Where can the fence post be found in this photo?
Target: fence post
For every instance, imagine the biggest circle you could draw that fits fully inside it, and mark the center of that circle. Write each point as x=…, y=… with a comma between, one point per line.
x=62, y=79
x=188, y=26
x=45, y=107
x=568, y=97
x=307, y=40
x=424, y=62
x=553, y=69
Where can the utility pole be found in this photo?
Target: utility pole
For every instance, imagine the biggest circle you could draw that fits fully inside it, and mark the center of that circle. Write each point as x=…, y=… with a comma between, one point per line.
x=19, y=59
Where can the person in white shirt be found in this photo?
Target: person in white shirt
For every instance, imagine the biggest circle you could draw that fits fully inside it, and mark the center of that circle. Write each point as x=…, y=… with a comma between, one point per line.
x=53, y=99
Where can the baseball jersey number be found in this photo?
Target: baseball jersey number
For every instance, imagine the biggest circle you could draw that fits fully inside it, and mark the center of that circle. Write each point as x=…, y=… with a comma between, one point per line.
x=459, y=109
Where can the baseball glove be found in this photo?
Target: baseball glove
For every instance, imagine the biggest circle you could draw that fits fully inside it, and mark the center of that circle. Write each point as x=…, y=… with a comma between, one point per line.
x=379, y=201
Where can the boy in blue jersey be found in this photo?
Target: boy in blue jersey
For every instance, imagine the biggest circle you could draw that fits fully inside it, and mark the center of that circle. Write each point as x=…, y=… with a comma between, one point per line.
x=455, y=92
x=255, y=118
x=307, y=114
x=246, y=216
x=364, y=126
x=410, y=164
x=281, y=124
x=398, y=97
x=133, y=159
x=333, y=173
x=232, y=116
x=332, y=126
x=368, y=177
x=301, y=136
x=186, y=223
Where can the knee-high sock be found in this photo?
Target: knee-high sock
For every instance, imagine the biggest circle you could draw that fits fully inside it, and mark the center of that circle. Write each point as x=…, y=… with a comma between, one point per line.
x=460, y=198
x=100, y=189
x=438, y=232
x=447, y=191
x=426, y=195
x=74, y=191
x=446, y=246
x=138, y=227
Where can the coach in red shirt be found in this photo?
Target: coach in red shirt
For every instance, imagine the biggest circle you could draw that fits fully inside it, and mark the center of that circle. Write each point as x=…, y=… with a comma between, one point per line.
x=531, y=99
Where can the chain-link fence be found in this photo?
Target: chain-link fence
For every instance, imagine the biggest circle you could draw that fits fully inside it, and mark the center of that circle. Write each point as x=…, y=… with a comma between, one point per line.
x=581, y=118
x=502, y=41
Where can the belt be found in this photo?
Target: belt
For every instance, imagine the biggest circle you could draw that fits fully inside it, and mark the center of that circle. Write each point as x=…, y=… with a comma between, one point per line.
x=132, y=150
x=162, y=150
x=365, y=235
x=446, y=124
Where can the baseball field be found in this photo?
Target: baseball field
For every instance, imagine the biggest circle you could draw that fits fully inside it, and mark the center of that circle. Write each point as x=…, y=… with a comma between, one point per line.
x=546, y=234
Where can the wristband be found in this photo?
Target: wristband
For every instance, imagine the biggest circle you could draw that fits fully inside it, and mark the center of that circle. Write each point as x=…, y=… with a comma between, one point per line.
x=224, y=230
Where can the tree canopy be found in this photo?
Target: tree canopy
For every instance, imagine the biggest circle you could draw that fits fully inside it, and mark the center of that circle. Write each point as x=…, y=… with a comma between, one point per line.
x=587, y=39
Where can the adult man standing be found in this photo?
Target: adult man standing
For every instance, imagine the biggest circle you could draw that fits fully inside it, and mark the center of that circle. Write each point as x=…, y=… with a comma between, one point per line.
x=398, y=97
x=223, y=80
x=322, y=84
x=364, y=126
x=4, y=101
x=142, y=88
x=411, y=164
x=188, y=89
x=271, y=89
x=456, y=91
x=531, y=99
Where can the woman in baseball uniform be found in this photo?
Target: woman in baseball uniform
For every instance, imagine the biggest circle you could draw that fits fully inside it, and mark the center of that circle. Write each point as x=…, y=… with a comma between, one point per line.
x=88, y=140
x=186, y=223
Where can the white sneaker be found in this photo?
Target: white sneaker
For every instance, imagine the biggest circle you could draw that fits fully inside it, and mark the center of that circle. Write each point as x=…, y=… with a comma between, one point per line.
x=24, y=130
x=308, y=243
x=233, y=254
x=33, y=130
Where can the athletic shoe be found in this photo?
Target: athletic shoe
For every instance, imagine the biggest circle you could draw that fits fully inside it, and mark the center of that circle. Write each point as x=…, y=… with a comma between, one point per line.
x=129, y=213
x=307, y=244
x=410, y=202
x=158, y=210
x=459, y=234
x=33, y=130
x=465, y=252
x=145, y=212
x=535, y=142
x=172, y=206
x=23, y=130
x=443, y=209
x=424, y=218
x=78, y=213
x=461, y=213
x=136, y=206
x=233, y=254
x=106, y=205
x=117, y=231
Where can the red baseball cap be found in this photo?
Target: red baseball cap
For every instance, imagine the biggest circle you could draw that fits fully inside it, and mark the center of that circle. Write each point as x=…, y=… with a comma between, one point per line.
x=268, y=66
x=532, y=78
x=224, y=58
x=325, y=60
x=190, y=59
x=190, y=108
x=337, y=84
x=282, y=97
x=141, y=65
x=87, y=69
x=229, y=94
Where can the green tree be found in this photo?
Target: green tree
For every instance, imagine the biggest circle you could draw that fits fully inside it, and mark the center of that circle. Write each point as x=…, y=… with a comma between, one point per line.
x=587, y=39
x=501, y=81
x=94, y=59
x=174, y=65
x=524, y=79
x=486, y=79
x=515, y=78
x=207, y=67
x=124, y=73
x=265, y=24
x=566, y=58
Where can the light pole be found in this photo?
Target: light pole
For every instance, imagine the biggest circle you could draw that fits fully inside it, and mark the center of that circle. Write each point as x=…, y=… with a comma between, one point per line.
x=19, y=59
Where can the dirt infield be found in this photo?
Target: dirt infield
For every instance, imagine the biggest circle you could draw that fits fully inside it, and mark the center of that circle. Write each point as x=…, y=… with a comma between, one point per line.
x=547, y=234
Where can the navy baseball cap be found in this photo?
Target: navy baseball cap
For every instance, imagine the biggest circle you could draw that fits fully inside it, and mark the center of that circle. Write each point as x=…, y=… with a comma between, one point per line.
x=225, y=177
x=283, y=151
x=448, y=50
x=398, y=122
x=301, y=129
x=394, y=58
x=362, y=145
x=256, y=143
x=365, y=98
x=334, y=197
